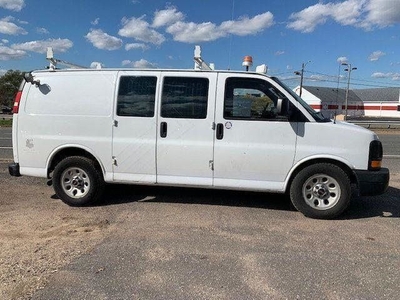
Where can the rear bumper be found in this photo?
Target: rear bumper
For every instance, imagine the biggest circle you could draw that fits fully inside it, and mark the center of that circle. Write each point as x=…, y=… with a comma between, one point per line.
x=13, y=169
x=371, y=183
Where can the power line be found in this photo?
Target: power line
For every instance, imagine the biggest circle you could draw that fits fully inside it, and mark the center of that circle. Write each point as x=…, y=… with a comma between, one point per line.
x=375, y=83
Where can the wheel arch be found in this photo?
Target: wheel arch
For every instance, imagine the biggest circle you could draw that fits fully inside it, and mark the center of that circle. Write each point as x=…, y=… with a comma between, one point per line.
x=346, y=168
x=64, y=152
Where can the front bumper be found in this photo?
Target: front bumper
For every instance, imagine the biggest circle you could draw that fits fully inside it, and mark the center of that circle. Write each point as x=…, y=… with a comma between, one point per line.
x=13, y=169
x=371, y=183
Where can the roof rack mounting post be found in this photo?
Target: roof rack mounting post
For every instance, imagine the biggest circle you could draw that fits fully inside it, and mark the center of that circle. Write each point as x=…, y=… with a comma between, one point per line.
x=50, y=58
x=199, y=63
x=53, y=61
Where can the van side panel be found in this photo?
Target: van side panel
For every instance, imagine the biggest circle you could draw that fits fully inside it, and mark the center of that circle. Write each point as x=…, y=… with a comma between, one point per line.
x=66, y=109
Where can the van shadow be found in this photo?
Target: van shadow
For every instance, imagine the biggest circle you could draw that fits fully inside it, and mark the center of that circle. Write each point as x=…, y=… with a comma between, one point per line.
x=386, y=205
x=119, y=194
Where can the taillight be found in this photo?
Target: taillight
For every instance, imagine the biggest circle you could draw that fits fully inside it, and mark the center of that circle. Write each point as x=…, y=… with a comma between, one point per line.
x=18, y=97
x=16, y=102
x=375, y=155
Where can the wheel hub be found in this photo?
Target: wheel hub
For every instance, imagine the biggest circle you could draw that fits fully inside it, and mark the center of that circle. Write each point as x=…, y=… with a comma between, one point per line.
x=321, y=191
x=75, y=182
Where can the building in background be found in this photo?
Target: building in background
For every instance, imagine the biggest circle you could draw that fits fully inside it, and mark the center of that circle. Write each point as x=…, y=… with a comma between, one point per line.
x=380, y=102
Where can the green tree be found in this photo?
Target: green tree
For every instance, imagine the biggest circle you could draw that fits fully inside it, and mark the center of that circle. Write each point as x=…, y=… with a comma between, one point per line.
x=9, y=84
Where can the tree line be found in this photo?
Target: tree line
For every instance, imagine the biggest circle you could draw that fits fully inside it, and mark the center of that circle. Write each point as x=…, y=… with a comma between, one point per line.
x=9, y=84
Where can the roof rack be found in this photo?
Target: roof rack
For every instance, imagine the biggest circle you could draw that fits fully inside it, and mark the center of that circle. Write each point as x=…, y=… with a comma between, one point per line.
x=199, y=63
x=54, y=61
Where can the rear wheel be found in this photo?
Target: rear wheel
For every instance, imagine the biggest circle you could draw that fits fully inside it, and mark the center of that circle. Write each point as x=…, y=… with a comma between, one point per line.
x=321, y=191
x=77, y=181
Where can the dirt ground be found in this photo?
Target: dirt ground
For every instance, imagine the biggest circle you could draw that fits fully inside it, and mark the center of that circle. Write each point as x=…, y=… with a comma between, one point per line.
x=39, y=235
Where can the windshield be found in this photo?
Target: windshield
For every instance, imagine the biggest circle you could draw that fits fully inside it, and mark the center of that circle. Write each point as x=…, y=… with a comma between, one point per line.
x=318, y=116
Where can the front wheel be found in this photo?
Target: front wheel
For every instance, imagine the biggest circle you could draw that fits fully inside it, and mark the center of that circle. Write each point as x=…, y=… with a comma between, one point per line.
x=321, y=191
x=77, y=181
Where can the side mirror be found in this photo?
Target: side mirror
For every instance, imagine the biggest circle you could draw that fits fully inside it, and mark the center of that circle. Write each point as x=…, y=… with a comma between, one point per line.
x=285, y=109
x=279, y=105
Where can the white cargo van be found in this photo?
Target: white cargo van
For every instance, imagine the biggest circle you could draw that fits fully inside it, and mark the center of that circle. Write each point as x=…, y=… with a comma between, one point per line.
x=211, y=129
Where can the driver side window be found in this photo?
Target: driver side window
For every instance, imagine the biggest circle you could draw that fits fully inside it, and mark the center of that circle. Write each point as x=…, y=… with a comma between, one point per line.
x=250, y=99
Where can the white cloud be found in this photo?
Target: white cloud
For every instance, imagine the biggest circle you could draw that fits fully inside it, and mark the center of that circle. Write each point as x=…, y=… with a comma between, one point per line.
x=42, y=30
x=365, y=14
x=140, y=30
x=390, y=75
x=347, y=12
x=58, y=45
x=4, y=41
x=280, y=52
x=96, y=65
x=245, y=26
x=7, y=27
x=15, y=5
x=95, y=22
x=7, y=53
x=140, y=64
x=317, y=77
x=195, y=33
x=342, y=60
x=102, y=40
x=134, y=46
x=167, y=17
x=376, y=55
x=189, y=32
x=382, y=13
x=307, y=19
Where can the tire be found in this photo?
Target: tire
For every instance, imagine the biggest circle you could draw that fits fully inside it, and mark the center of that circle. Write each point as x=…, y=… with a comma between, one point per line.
x=77, y=181
x=321, y=191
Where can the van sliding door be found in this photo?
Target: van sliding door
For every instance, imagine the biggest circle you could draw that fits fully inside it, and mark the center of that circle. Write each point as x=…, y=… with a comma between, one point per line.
x=185, y=128
x=134, y=128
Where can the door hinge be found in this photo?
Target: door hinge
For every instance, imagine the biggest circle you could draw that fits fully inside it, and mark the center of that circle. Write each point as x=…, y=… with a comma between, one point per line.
x=211, y=164
x=115, y=123
x=213, y=125
x=114, y=161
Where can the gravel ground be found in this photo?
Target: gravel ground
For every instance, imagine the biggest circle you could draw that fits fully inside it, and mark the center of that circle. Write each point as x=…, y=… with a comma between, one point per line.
x=40, y=236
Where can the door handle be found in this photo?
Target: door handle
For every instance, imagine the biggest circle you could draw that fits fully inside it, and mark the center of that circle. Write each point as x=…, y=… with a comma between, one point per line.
x=220, y=131
x=163, y=129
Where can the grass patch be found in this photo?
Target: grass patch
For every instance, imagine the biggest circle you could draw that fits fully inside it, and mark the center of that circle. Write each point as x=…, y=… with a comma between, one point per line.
x=5, y=122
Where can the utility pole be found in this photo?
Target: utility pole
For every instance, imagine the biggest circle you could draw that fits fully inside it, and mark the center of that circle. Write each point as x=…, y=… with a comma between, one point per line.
x=301, y=73
x=348, y=69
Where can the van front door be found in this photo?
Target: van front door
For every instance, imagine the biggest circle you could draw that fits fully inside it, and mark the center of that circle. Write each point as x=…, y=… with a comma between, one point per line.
x=135, y=127
x=185, y=129
x=255, y=144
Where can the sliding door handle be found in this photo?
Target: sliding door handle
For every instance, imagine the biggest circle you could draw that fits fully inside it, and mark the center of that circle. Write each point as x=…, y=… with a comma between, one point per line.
x=220, y=131
x=163, y=129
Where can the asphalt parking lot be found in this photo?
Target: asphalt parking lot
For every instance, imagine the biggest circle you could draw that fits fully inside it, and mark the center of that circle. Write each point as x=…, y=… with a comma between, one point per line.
x=168, y=243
